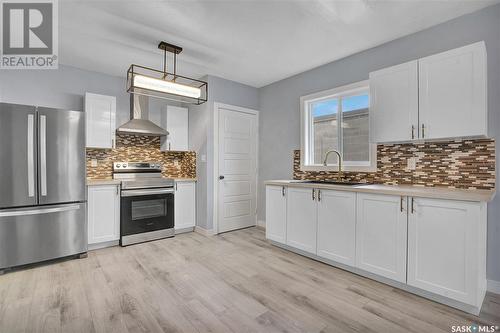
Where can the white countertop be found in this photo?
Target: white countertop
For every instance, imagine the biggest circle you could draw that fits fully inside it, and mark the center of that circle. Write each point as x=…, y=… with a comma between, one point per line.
x=96, y=182
x=404, y=190
x=180, y=180
x=108, y=181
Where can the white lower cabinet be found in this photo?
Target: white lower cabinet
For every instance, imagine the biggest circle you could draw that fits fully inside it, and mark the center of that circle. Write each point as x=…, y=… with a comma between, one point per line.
x=446, y=241
x=434, y=247
x=381, y=228
x=103, y=213
x=337, y=226
x=301, y=219
x=276, y=213
x=185, y=205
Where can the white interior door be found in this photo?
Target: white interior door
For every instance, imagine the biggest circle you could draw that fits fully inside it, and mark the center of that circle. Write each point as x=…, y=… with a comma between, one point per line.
x=237, y=169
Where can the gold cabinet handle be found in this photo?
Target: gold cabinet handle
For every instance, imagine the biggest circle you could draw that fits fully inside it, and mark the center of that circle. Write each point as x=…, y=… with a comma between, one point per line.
x=423, y=131
x=313, y=194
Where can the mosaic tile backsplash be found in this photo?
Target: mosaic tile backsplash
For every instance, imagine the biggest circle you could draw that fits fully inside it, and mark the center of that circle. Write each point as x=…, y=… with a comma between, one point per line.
x=140, y=149
x=465, y=164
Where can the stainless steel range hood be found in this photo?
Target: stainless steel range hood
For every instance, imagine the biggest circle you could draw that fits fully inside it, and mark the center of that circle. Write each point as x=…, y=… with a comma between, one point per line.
x=139, y=123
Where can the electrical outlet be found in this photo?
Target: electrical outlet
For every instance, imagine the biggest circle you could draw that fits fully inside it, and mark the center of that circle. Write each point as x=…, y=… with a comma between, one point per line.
x=412, y=163
x=93, y=163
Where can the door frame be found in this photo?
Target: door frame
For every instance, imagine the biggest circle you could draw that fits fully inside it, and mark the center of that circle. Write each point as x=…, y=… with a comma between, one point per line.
x=217, y=107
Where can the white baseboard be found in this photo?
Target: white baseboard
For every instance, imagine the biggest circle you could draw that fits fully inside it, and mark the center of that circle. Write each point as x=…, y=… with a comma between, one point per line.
x=261, y=224
x=97, y=246
x=494, y=286
x=203, y=231
x=183, y=230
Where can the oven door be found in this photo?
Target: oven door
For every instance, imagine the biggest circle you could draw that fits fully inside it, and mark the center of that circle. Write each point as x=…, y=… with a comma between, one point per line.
x=146, y=210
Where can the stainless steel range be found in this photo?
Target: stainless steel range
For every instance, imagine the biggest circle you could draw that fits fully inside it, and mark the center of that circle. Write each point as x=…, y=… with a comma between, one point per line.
x=147, y=202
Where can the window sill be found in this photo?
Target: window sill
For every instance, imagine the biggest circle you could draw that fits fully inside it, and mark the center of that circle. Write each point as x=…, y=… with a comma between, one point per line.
x=335, y=168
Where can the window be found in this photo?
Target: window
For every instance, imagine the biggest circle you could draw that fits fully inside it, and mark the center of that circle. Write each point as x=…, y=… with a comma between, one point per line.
x=337, y=119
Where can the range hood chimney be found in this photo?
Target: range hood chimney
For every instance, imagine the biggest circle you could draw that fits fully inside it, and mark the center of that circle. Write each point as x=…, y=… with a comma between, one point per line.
x=139, y=123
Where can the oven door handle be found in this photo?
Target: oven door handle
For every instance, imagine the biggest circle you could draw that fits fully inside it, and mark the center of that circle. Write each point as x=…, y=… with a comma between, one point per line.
x=135, y=193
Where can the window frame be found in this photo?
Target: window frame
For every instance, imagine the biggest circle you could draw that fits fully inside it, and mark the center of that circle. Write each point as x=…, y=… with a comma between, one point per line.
x=306, y=133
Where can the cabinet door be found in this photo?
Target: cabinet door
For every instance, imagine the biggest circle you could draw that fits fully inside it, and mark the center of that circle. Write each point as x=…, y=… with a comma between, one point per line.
x=394, y=103
x=443, y=247
x=100, y=112
x=176, y=123
x=452, y=93
x=301, y=219
x=337, y=226
x=103, y=213
x=276, y=213
x=185, y=205
x=381, y=228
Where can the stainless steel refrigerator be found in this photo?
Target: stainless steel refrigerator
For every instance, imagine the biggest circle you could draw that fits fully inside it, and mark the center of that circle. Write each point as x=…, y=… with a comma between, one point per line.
x=42, y=184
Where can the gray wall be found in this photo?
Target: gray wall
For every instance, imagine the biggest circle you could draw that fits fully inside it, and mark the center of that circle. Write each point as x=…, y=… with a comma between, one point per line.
x=279, y=102
x=65, y=88
x=62, y=88
x=201, y=133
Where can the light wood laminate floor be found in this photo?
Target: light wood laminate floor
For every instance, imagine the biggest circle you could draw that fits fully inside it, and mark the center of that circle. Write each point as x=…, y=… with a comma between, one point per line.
x=235, y=282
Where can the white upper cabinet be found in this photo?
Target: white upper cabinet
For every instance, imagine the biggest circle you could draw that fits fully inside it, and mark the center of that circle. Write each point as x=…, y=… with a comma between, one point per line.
x=436, y=97
x=100, y=113
x=175, y=121
x=444, y=240
x=452, y=99
x=301, y=219
x=276, y=213
x=381, y=228
x=394, y=103
x=185, y=205
x=337, y=226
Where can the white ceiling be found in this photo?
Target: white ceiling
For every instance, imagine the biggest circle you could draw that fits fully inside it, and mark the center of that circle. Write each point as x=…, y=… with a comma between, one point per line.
x=252, y=42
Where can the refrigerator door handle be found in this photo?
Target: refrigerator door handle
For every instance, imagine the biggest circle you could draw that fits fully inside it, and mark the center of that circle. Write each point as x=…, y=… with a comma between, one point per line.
x=43, y=154
x=31, y=152
x=38, y=211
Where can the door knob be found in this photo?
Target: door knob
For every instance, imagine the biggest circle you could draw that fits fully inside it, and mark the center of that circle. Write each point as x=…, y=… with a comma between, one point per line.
x=221, y=177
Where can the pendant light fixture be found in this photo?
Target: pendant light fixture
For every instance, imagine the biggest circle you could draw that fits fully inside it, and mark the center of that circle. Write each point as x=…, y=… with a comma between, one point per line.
x=163, y=84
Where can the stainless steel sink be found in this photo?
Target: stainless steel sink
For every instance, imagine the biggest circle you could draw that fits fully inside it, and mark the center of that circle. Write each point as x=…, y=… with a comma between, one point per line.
x=335, y=182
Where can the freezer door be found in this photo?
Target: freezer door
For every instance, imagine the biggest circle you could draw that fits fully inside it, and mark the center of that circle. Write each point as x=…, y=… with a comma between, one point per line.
x=61, y=156
x=34, y=234
x=18, y=186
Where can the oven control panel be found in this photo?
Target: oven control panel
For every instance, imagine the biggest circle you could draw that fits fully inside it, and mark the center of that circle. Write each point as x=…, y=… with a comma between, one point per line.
x=136, y=166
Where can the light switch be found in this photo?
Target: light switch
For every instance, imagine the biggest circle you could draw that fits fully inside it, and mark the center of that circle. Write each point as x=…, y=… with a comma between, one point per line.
x=203, y=158
x=412, y=163
x=93, y=163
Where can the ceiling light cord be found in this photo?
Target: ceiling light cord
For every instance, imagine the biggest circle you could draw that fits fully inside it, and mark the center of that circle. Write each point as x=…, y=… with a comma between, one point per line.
x=164, y=63
x=175, y=66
